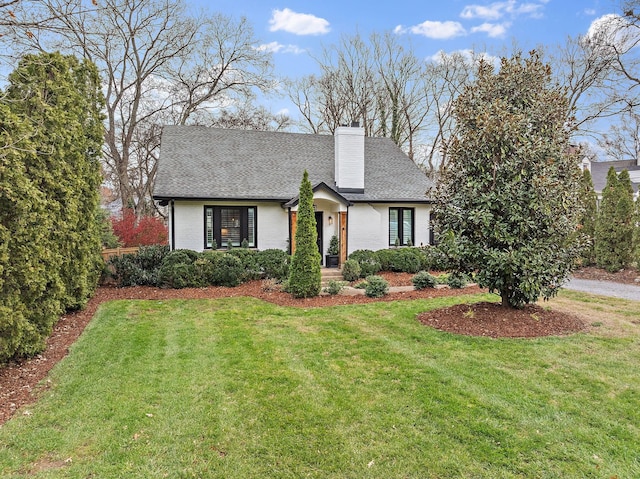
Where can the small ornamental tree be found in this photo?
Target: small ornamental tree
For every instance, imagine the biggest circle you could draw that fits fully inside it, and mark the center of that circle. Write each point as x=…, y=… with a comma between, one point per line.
x=614, y=227
x=589, y=200
x=134, y=231
x=507, y=202
x=305, y=277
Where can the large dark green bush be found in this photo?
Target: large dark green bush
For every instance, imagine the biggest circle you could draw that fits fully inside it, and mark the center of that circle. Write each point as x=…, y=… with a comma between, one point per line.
x=376, y=286
x=249, y=260
x=150, y=257
x=305, y=276
x=508, y=201
x=139, y=269
x=351, y=270
x=385, y=258
x=274, y=263
x=227, y=270
x=405, y=260
x=369, y=263
x=178, y=270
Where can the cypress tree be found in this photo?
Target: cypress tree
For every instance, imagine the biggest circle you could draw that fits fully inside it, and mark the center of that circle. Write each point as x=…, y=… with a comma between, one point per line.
x=51, y=134
x=60, y=98
x=614, y=228
x=624, y=217
x=636, y=233
x=29, y=279
x=305, y=277
x=589, y=200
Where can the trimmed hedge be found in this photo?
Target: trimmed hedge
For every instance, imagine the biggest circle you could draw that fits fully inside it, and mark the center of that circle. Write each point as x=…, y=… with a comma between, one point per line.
x=368, y=261
x=157, y=266
x=274, y=263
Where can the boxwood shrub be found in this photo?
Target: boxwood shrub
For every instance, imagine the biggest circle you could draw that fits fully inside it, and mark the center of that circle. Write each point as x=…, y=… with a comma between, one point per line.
x=369, y=263
x=376, y=286
x=351, y=270
x=274, y=263
x=424, y=280
x=178, y=270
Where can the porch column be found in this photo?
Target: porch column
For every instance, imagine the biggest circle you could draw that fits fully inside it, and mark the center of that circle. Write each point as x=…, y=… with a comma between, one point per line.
x=293, y=224
x=343, y=237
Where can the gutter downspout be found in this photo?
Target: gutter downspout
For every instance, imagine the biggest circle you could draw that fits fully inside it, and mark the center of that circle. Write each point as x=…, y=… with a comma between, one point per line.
x=173, y=227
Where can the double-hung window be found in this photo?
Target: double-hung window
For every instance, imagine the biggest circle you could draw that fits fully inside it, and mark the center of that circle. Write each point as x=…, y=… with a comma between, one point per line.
x=401, y=226
x=229, y=223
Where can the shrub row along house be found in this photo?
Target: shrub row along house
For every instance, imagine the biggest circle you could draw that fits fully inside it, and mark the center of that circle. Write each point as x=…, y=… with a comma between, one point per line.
x=232, y=186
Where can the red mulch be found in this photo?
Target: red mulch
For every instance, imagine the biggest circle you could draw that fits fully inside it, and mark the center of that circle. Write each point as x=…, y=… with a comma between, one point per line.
x=18, y=379
x=626, y=276
x=495, y=321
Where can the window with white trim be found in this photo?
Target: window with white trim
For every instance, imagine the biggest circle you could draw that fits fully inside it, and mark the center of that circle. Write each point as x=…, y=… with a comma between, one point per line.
x=401, y=226
x=230, y=223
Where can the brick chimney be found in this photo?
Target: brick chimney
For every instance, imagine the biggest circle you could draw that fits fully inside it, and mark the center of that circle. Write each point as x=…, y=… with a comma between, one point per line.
x=349, y=158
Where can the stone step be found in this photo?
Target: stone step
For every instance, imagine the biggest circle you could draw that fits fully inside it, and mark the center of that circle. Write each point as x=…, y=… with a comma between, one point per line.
x=330, y=274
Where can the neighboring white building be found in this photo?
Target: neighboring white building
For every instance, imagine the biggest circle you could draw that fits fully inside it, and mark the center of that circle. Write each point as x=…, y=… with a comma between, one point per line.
x=231, y=185
x=599, y=170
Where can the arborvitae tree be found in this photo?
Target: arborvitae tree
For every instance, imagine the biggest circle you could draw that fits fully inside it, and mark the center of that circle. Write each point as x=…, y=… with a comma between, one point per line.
x=625, y=217
x=589, y=200
x=614, y=228
x=305, y=277
x=507, y=203
x=29, y=279
x=50, y=141
x=636, y=234
x=60, y=98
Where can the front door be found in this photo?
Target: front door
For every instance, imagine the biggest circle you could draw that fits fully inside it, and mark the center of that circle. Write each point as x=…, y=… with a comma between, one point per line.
x=319, y=230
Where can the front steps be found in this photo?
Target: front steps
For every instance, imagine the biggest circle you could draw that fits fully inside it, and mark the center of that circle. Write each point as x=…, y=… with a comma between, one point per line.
x=330, y=274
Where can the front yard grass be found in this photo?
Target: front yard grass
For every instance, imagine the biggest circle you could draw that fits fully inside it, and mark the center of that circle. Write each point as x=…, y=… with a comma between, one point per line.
x=240, y=388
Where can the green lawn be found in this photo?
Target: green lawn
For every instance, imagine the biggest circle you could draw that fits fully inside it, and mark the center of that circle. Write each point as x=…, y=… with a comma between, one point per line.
x=240, y=388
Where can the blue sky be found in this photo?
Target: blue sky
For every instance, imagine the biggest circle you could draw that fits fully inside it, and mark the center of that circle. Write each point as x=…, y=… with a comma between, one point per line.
x=295, y=30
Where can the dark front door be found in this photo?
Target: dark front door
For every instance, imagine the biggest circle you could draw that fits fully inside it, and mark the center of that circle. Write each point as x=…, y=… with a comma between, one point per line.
x=319, y=230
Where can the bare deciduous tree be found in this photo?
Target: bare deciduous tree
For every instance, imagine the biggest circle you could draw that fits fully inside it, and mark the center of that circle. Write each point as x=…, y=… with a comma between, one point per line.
x=160, y=65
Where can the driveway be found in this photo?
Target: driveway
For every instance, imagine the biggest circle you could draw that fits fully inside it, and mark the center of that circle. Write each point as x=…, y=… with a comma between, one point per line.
x=605, y=288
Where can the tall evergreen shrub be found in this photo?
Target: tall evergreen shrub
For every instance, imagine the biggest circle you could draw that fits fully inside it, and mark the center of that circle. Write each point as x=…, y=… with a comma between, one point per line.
x=589, y=200
x=51, y=139
x=614, y=227
x=305, y=277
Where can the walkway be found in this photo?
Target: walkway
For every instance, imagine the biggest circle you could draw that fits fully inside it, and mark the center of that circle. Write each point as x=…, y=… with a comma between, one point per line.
x=605, y=288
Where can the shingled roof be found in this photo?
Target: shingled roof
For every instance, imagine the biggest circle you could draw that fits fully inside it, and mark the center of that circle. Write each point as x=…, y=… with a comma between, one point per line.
x=599, y=170
x=198, y=162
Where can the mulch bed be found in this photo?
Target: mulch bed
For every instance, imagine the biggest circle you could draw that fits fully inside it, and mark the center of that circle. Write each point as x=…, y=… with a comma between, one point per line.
x=495, y=321
x=18, y=380
x=626, y=276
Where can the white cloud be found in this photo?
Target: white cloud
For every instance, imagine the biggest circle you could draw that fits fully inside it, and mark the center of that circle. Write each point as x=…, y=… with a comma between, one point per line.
x=438, y=30
x=610, y=29
x=497, y=10
x=275, y=47
x=489, y=12
x=298, y=23
x=493, y=30
x=590, y=11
